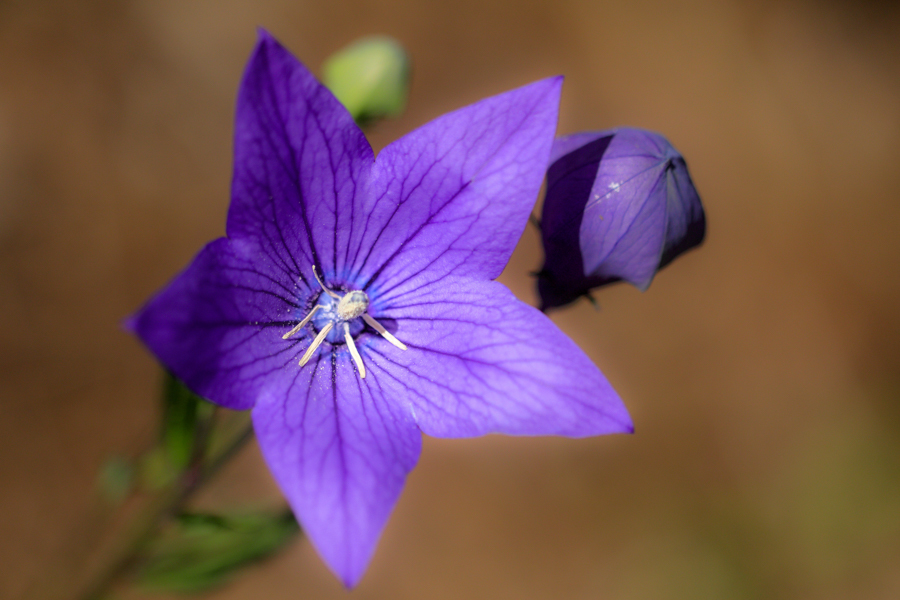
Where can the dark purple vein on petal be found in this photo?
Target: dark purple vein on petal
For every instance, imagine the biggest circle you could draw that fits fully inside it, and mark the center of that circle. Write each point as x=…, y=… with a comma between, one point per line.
x=314, y=116
x=404, y=198
x=457, y=393
x=464, y=185
x=418, y=230
x=384, y=293
x=289, y=299
x=289, y=172
x=295, y=170
x=274, y=249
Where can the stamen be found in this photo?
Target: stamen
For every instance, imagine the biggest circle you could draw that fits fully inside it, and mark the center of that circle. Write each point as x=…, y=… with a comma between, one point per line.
x=327, y=291
x=316, y=343
x=384, y=332
x=302, y=323
x=354, y=352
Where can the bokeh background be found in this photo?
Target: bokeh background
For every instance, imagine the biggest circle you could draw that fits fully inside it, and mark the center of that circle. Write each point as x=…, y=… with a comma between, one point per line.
x=761, y=370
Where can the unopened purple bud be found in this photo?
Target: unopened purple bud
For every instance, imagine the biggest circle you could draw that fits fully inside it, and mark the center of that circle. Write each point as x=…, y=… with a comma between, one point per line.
x=620, y=206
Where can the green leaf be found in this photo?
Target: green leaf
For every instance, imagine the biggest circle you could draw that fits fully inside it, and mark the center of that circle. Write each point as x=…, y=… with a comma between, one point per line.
x=200, y=551
x=370, y=78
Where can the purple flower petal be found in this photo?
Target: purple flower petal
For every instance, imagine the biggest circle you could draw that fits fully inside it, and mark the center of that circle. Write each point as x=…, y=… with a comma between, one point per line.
x=480, y=361
x=340, y=449
x=620, y=205
x=213, y=326
x=453, y=197
x=300, y=166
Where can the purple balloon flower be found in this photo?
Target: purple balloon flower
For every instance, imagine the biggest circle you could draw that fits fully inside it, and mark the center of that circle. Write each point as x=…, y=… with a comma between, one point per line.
x=352, y=304
x=620, y=205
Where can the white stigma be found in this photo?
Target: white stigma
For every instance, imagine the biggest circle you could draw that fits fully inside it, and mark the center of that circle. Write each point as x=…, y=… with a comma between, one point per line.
x=351, y=305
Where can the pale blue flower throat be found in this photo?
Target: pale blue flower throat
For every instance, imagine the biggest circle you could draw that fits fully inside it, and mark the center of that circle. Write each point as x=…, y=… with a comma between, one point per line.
x=339, y=311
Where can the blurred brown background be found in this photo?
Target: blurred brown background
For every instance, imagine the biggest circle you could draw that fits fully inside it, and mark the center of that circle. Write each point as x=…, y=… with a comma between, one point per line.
x=761, y=371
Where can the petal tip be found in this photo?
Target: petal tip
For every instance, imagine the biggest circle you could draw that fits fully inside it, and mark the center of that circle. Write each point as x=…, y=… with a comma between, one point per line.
x=129, y=323
x=554, y=84
x=266, y=42
x=642, y=284
x=627, y=423
x=263, y=36
x=350, y=580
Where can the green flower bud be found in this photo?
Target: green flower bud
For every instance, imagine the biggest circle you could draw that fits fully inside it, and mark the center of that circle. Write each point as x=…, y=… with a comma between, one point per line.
x=370, y=77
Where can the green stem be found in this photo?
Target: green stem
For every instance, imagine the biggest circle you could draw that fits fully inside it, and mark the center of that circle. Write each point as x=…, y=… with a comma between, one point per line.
x=164, y=505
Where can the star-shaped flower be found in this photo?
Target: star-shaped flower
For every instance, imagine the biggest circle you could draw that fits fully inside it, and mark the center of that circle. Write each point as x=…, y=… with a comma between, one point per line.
x=352, y=304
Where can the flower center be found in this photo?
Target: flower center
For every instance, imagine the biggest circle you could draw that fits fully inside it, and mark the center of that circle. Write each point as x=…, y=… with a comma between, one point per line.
x=333, y=310
x=336, y=312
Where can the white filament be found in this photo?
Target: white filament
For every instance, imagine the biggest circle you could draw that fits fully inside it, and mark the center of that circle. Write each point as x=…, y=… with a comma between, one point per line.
x=353, y=351
x=316, y=343
x=302, y=323
x=325, y=289
x=380, y=329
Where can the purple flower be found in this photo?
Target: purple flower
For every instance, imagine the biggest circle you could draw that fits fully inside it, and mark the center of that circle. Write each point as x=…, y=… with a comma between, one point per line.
x=376, y=276
x=620, y=205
